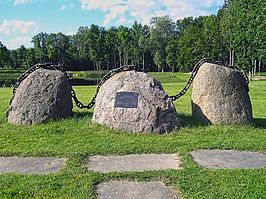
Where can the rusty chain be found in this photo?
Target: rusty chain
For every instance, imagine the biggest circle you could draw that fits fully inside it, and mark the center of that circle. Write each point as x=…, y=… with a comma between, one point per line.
x=78, y=103
x=195, y=71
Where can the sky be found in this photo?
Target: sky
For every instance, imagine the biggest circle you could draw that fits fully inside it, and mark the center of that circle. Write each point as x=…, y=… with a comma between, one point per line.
x=20, y=20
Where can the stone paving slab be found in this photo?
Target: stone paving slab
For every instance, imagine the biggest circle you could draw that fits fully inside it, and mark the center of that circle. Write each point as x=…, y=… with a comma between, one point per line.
x=142, y=162
x=134, y=190
x=30, y=165
x=229, y=159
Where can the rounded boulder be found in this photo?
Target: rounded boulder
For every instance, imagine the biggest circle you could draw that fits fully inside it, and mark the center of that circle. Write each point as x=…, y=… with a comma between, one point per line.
x=45, y=94
x=220, y=96
x=136, y=102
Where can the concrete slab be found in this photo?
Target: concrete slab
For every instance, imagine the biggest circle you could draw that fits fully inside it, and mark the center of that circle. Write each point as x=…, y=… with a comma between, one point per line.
x=30, y=165
x=142, y=162
x=229, y=159
x=136, y=190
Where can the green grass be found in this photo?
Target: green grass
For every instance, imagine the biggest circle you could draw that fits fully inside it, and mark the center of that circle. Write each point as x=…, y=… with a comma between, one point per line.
x=87, y=74
x=169, y=77
x=76, y=138
x=9, y=77
x=261, y=74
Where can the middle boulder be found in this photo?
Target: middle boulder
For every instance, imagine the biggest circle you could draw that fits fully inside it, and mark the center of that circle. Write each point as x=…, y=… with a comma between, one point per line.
x=136, y=102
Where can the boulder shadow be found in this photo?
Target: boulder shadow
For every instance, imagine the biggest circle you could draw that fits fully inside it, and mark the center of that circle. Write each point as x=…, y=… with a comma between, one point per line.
x=260, y=123
x=198, y=114
x=80, y=115
x=189, y=121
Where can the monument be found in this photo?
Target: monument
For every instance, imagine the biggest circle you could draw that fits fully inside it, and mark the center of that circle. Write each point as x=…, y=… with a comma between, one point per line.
x=136, y=102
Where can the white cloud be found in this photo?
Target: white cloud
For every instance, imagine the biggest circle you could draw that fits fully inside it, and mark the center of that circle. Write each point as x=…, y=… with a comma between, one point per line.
x=11, y=26
x=114, y=13
x=65, y=7
x=16, y=2
x=103, y=5
x=18, y=41
x=144, y=10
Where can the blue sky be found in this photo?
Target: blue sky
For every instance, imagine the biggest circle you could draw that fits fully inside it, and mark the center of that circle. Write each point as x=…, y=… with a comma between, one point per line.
x=20, y=20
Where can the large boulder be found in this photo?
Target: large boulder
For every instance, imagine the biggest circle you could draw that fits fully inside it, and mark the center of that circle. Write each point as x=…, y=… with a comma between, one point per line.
x=45, y=94
x=220, y=96
x=136, y=102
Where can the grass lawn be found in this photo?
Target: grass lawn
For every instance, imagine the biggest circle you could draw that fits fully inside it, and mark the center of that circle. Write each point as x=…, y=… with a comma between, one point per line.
x=76, y=138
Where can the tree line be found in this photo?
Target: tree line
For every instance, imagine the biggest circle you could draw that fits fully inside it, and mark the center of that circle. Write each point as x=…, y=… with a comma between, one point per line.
x=235, y=36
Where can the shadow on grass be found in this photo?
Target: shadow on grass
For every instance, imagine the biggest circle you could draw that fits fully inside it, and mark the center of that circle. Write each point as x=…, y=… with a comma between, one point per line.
x=185, y=120
x=80, y=115
x=260, y=122
x=188, y=121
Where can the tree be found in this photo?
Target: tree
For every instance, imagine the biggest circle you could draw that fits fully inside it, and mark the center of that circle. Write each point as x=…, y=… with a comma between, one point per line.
x=40, y=45
x=162, y=28
x=143, y=42
x=4, y=56
x=191, y=44
x=95, y=42
x=112, y=48
x=172, y=53
x=243, y=30
x=30, y=57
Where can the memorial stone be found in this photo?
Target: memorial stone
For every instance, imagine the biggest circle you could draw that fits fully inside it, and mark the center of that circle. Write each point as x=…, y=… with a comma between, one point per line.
x=136, y=102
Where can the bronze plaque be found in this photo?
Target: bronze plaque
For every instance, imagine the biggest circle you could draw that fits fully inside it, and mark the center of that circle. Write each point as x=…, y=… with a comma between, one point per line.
x=126, y=100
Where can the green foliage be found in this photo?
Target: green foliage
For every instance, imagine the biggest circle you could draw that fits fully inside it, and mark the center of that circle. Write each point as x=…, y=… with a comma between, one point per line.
x=88, y=74
x=9, y=77
x=243, y=30
x=162, y=28
x=4, y=56
x=235, y=36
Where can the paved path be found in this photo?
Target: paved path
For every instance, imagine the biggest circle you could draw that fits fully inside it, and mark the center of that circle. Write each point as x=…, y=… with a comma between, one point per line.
x=128, y=163
x=230, y=159
x=134, y=190
x=125, y=163
x=30, y=165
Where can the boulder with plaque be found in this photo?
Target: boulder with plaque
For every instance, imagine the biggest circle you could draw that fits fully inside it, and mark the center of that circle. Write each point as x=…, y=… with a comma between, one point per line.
x=136, y=102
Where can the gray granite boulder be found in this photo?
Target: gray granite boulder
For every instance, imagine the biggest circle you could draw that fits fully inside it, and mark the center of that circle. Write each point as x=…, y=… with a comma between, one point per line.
x=45, y=94
x=136, y=102
x=220, y=96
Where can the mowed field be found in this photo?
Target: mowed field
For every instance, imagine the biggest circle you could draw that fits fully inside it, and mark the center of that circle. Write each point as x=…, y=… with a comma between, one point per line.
x=77, y=138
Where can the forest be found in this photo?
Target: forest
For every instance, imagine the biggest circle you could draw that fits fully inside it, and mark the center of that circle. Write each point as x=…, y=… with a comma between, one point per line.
x=235, y=36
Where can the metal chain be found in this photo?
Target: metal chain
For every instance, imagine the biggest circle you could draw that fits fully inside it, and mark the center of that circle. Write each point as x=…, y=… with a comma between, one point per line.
x=112, y=73
x=73, y=94
x=195, y=70
x=103, y=80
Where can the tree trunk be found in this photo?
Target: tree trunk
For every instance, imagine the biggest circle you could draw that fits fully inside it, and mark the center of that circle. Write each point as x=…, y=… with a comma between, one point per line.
x=120, y=58
x=259, y=66
x=230, y=57
x=233, y=53
x=143, y=61
x=255, y=67
x=115, y=64
x=250, y=71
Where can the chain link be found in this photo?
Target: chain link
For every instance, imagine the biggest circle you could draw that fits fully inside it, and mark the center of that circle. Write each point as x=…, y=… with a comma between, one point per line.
x=195, y=70
x=78, y=103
